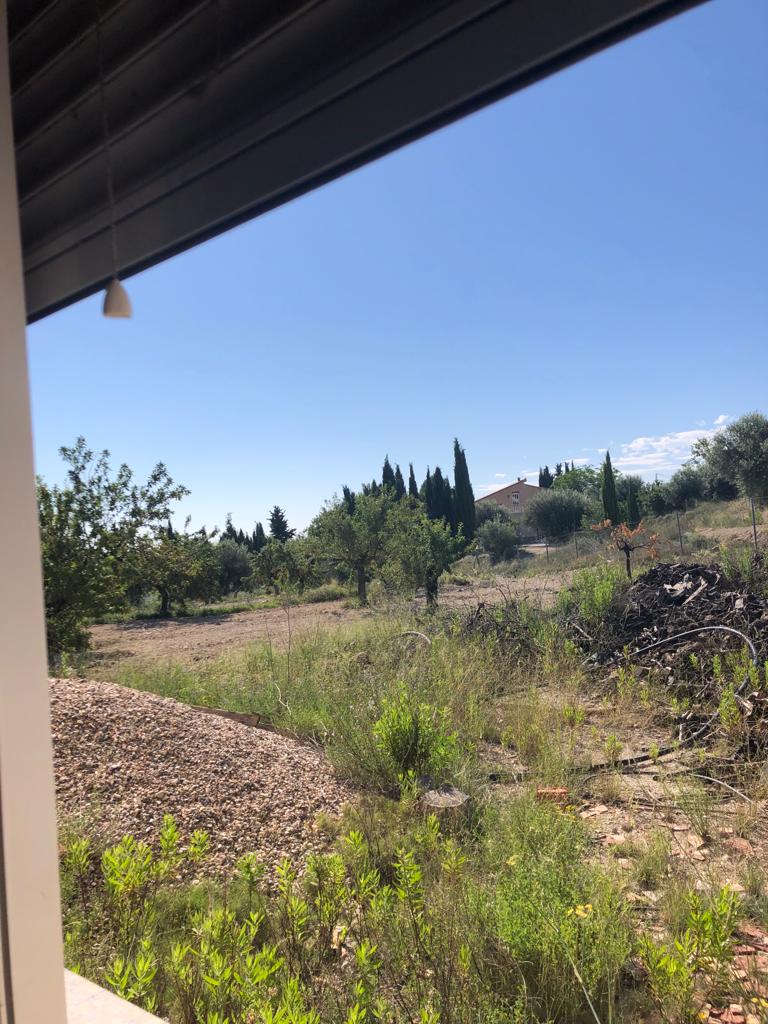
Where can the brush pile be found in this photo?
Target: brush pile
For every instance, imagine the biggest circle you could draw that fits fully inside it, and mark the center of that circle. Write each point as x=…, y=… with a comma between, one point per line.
x=672, y=598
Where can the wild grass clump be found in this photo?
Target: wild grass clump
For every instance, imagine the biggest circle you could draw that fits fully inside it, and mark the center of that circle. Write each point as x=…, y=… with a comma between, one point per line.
x=335, y=686
x=592, y=593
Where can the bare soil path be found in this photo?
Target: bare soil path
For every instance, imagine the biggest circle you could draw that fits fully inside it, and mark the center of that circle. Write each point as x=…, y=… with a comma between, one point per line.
x=206, y=637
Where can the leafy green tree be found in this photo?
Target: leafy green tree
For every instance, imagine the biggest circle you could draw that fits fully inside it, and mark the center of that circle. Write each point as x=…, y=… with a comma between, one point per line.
x=428, y=496
x=685, y=487
x=278, y=526
x=229, y=532
x=608, y=492
x=555, y=513
x=545, y=477
x=739, y=454
x=413, y=488
x=464, y=496
x=180, y=567
x=89, y=532
x=387, y=474
x=584, y=479
x=234, y=569
x=658, y=499
x=399, y=484
x=419, y=549
x=489, y=510
x=717, y=487
x=271, y=566
x=500, y=539
x=354, y=539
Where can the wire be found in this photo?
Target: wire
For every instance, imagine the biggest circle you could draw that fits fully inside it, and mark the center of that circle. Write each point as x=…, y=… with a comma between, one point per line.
x=638, y=759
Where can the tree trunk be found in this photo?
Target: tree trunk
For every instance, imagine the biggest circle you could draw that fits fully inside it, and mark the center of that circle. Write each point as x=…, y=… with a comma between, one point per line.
x=628, y=557
x=165, y=601
x=431, y=588
x=362, y=594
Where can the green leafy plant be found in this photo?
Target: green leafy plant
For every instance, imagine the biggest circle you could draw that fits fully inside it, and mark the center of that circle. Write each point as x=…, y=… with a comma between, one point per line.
x=415, y=737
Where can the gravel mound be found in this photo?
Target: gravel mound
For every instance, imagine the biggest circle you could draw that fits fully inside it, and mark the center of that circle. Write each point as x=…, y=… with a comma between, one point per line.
x=124, y=758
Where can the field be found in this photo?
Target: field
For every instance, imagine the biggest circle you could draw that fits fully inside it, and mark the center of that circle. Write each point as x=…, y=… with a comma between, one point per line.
x=485, y=851
x=201, y=638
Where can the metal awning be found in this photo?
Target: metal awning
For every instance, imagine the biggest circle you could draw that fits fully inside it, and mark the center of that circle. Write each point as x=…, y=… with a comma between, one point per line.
x=218, y=110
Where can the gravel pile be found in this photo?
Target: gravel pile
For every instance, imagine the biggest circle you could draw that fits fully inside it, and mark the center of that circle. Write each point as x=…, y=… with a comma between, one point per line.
x=124, y=758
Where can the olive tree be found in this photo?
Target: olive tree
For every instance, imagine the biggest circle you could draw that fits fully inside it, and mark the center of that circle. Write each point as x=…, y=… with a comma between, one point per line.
x=419, y=549
x=556, y=513
x=739, y=454
x=353, y=534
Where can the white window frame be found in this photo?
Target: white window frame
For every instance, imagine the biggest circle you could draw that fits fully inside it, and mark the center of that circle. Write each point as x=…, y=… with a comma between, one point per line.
x=32, y=975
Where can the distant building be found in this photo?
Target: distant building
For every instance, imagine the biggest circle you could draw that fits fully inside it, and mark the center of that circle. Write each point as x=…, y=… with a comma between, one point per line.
x=513, y=497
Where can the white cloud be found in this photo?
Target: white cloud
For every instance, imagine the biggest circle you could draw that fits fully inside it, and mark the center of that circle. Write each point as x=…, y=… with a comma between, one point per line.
x=664, y=453
x=500, y=476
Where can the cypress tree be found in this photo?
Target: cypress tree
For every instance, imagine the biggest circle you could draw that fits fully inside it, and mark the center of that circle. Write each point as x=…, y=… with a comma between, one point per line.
x=438, y=510
x=349, y=499
x=545, y=478
x=427, y=494
x=559, y=469
x=413, y=487
x=610, y=501
x=259, y=538
x=399, y=484
x=450, y=513
x=229, y=531
x=633, y=508
x=387, y=474
x=464, y=496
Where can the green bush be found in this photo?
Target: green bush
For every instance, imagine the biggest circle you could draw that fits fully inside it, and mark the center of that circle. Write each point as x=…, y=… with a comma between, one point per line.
x=325, y=592
x=559, y=917
x=499, y=539
x=414, y=737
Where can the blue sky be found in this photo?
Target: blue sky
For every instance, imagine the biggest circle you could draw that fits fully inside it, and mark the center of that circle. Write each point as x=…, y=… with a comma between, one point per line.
x=580, y=266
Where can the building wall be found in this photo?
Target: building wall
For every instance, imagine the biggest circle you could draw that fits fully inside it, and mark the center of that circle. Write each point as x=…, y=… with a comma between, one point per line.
x=513, y=497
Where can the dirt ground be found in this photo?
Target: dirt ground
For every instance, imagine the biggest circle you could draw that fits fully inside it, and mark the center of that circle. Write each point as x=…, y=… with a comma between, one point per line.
x=206, y=637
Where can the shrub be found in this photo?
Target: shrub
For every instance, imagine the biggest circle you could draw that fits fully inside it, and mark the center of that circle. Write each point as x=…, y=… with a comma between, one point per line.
x=556, y=513
x=499, y=539
x=559, y=918
x=415, y=738
x=325, y=592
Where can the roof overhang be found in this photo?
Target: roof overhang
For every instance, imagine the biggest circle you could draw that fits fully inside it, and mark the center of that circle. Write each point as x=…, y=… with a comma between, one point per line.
x=219, y=110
